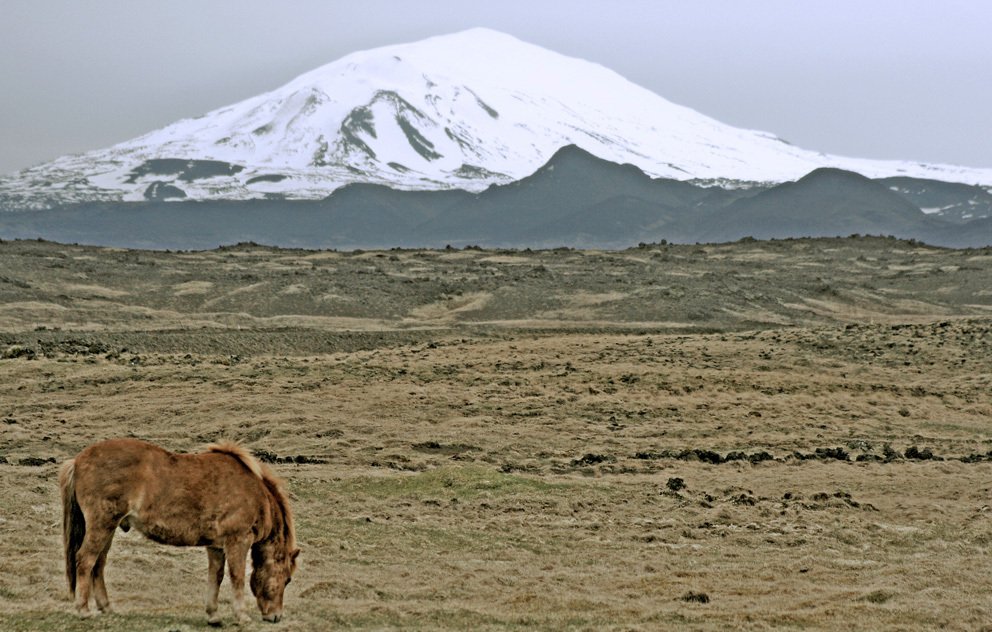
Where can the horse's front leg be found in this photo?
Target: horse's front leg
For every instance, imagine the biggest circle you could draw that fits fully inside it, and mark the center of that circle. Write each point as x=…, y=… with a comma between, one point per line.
x=237, y=556
x=215, y=575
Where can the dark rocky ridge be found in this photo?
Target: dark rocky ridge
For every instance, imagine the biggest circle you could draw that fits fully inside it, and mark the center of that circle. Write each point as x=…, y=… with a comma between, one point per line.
x=575, y=200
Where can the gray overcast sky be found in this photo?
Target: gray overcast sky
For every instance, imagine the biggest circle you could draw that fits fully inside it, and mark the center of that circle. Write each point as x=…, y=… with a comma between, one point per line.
x=905, y=79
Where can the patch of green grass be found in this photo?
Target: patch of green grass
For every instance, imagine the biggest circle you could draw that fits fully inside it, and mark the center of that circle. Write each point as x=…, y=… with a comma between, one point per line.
x=379, y=542
x=451, y=618
x=68, y=621
x=390, y=618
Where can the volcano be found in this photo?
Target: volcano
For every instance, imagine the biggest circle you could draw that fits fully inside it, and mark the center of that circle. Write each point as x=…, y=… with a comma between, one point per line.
x=460, y=111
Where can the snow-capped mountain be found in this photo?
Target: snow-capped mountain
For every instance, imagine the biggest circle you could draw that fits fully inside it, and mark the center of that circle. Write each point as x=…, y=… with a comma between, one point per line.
x=459, y=111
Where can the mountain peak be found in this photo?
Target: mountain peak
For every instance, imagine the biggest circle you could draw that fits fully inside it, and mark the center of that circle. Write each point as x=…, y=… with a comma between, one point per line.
x=824, y=174
x=476, y=36
x=575, y=158
x=465, y=110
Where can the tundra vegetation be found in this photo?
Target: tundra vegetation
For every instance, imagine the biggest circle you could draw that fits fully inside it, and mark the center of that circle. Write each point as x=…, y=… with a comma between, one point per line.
x=765, y=434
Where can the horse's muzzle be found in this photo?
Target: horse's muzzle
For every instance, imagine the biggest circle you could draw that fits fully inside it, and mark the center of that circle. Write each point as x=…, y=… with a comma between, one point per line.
x=275, y=617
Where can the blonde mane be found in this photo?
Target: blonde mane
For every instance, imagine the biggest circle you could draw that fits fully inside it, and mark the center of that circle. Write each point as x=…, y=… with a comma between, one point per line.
x=278, y=491
x=241, y=454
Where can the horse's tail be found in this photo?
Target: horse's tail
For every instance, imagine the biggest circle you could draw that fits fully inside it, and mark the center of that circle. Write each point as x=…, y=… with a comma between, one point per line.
x=73, y=521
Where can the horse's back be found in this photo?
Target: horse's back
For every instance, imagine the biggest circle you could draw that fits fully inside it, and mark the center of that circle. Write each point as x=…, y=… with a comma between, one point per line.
x=118, y=461
x=122, y=449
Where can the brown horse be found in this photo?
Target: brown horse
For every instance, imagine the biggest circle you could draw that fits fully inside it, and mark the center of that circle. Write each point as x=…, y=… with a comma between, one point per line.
x=222, y=499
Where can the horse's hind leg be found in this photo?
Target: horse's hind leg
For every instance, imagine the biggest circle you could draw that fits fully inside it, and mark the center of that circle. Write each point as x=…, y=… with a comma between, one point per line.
x=215, y=575
x=88, y=561
x=99, y=585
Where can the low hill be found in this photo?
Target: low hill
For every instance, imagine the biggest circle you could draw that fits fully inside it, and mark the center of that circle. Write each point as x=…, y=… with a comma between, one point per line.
x=826, y=202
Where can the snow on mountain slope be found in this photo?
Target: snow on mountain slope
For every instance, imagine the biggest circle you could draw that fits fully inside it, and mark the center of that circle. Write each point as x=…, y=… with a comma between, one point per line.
x=459, y=111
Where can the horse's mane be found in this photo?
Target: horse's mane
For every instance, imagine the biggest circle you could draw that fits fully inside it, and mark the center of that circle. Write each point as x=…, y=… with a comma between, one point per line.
x=272, y=482
x=241, y=454
x=278, y=490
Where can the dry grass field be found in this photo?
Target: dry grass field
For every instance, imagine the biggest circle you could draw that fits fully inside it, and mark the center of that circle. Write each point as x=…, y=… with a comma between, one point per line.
x=763, y=435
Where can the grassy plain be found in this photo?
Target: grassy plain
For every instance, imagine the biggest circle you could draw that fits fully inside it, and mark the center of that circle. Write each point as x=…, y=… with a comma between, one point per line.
x=761, y=435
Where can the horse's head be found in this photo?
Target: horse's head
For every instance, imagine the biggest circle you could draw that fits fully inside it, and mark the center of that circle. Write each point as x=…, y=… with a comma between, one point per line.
x=273, y=567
